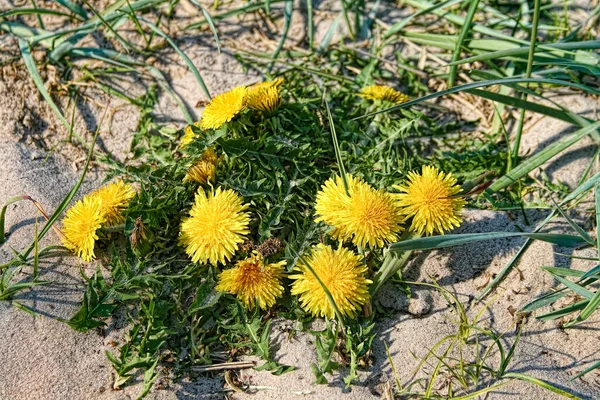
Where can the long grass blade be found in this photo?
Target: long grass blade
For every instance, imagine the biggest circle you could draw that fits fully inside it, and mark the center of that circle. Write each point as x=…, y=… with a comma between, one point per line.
x=10, y=201
x=288, y=9
x=579, y=190
x=442, y=241
x=587, y=370
x=73, y=7
x=552, y=112
x=517, y=142
x=186, y=59
x=540, y=383
x=597, y=196
x=584, y=235
x=475, y=85
x=464, y=32
x=210, y=23
x=540, y=158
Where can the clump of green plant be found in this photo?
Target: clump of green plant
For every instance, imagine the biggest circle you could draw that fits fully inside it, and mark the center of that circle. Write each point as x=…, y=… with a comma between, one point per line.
x=473, y=361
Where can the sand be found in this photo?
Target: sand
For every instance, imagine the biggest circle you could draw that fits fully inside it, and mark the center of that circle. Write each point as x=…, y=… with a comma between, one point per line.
x=42, y=358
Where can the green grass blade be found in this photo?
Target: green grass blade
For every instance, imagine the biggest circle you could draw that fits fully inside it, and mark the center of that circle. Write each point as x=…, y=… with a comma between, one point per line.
x=563, y=311
x=562, y=271
x=529, y=106
x=464, y=32
x=475, y=85
x=34, y=11
x=210, y=23
x=73, y=7
x=288, y=9
x=310, y=24
x=597, y=195
x=65, y=43
x=162, y=81
x=336, y=145
x=442, y=241
x=540, y=158
x=543, y=301
x=517, y=141
x=524, y=50
x=482, y=392
x=249, y=8
x=587, y=370
x=186, y=59
x=36, y=259
x=37, y=79
x=10, y=201
x=507, y=268
x=397, y=27
x=540, y=383
x=593, y=271
x=574, y=287
x=584, y=235
x=458, y=20
x=330, y=33
x=65, y=202
x=589, y=309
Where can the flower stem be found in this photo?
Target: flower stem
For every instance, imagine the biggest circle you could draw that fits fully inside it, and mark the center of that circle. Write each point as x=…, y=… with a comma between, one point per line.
x=336, y=145
x=392, y=263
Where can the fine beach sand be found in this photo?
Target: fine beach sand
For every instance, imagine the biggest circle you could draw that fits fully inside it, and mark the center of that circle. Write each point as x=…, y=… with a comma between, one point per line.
x=43, y=358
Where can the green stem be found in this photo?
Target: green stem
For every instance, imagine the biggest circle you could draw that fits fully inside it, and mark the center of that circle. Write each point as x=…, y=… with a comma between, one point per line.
x=3, y=214
x=461, y=39
x=392, y=263
x=517, y=143
x=336, y=145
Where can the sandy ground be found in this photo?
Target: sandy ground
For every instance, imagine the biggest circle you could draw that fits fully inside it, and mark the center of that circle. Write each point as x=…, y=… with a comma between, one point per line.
x=43, y=358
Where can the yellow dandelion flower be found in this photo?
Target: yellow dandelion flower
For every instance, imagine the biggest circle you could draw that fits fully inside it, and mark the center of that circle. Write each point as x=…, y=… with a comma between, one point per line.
x=189, y=135
x=253, y=282
x=277, y=82
x=343, y=274
x=216, y=226
x=204, y=170
x=80, y=225
x=429, y=198
x=363, y=214
x=223, y=108
x=264, y=99
x=379, y=92
x=114, y=198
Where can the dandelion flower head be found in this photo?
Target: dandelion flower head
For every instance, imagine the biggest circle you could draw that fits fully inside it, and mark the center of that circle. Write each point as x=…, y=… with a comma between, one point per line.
x=80, y=225
x=223, y=108
x=430, y=198
x=363, y=214
x=189, y=134
x=254, y=282
x=264, y=99
x=380, y=92
x=342, y=272
x=204, y=170
x=114, y=198
x=216, y=226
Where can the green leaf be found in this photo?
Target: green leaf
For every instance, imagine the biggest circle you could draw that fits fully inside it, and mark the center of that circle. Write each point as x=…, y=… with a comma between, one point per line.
x=597, y=195
x=475, y=85
x=437, y=242
x=587, y=370
x=540, y=383
x=540, y=158
x=186, y=59
x=96, y=305
x=584, y=235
